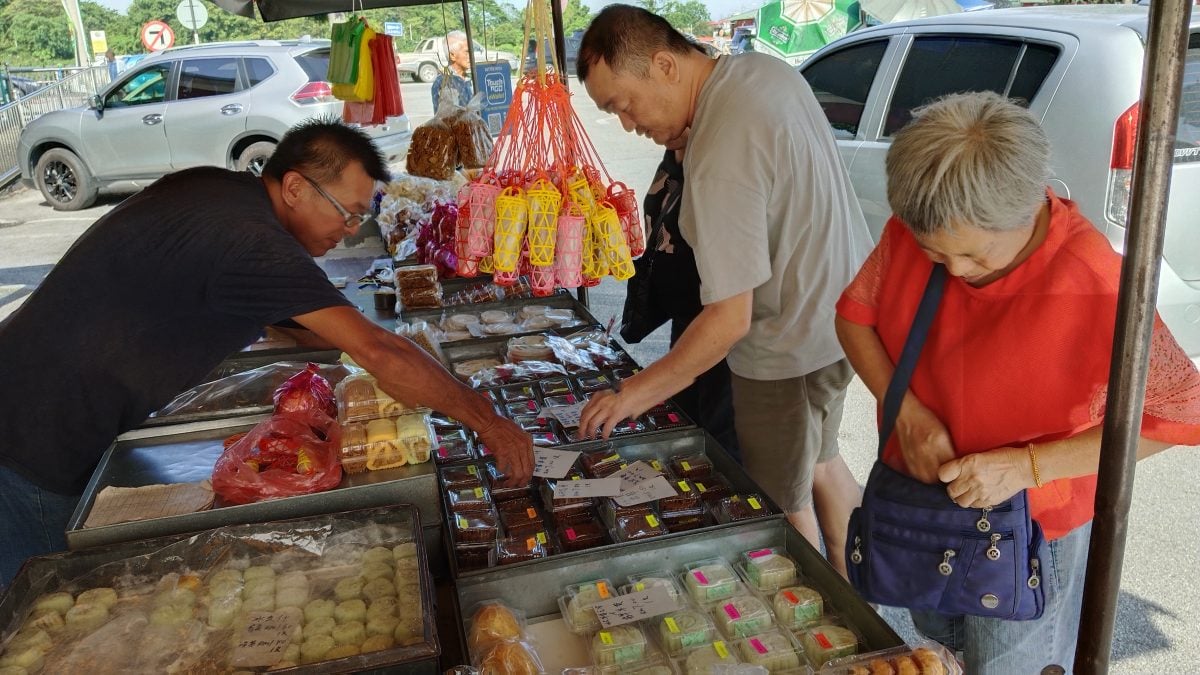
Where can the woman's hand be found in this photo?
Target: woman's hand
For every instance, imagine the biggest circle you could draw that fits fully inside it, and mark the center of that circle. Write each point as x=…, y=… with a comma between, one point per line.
x=924, y=441
x=987, y=478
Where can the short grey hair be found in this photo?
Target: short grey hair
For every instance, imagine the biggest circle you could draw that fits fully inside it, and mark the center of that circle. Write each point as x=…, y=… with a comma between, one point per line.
x=968, y=159
x=456, y=39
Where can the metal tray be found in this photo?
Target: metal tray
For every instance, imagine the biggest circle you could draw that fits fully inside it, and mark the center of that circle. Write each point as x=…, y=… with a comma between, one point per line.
x=43, y=573
x=187, y=452
x=661, y=446
x=534, y=588
x=560, y=300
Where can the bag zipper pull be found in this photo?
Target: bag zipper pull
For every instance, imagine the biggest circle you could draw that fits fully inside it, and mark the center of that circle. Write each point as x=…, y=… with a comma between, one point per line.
x=946, y=569
x=856, y=555
x=1035, y=580
x=983, y=524
x=993, y=552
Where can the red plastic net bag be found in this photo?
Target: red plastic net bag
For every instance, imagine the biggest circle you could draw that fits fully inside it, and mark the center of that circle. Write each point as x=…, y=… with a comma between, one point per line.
x=306, y=390
x=284, y=456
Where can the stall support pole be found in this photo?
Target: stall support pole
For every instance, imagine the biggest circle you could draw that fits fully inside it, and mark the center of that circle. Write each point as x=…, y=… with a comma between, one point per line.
x=1165, y=50
x=560, y=47
x=470, y=44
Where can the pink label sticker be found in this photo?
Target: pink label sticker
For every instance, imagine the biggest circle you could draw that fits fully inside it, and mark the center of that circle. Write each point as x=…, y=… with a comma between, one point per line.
x=531, y=406
x=442, y=452
x=571, y=536
x=673, y=418
x=823, y=641
x=758, y=646
x=732, y=612
x=700, y=577
x=760, y=553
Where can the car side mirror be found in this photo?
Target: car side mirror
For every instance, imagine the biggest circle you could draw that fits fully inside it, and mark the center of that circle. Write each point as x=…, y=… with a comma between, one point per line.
x=95, y=102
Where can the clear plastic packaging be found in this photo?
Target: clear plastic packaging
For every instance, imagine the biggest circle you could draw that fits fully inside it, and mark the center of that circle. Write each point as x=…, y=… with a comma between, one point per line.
x=585, y=534
x=492, y=622
x=601, y=463
x=798, y=606
x=684, y=629
x=768, y=569
x=593, y=383
x=643, y=581
x=510, y=658
x=741, y=507
x=475, y=528
x=702, y=660
x=628, y=427
x=534, y=423
x=686, y=498
x=713, y=489
x=695, y=466
x=637, y=527
x=249, y=389
x=386, y=443
x=742, y=616
x=564, y=399
x=617, y=646
x=359, y=399
x=683, y=521
x=518, y=408
x=468, y=369
x=827, y=642
x=610, y=510
x=452, y=449
x=410, y=277
x=576, y=605
x=556, y=386
x=475, y=556
x=666, y=420
x=529, y=348
x=511, y=373
x=709, y=580
x=469, y=500
x=499, y=492
x=772, y=650
x=457, y=477
x=520, y=392
x=515, y=549
x=924, y=658
x=545, y=439
x=654, y=662
x=521, y=521
x=559, y=505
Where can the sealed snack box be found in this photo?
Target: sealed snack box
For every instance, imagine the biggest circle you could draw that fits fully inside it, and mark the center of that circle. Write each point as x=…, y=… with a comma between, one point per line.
x=610, y=510
x=601, y=464
x=471, y=557
x=653, y=662
x=701, y=660
x=359, y=399
x=772, y=650
x=643, y=581
x=493, y=622
x=521, y=521
x=386, y=443
x=520, y=548
x=682, y=521
x=457, y=477
x=827, y=642
x=475, y=527
x=798, y=606
x=683, y=629
x=923, y=658
x=501, y=493
x=713, y=489
x=767, y=569
x=617, y=646
x=663, y=421
x=686, y=498
x=709, y=580
x=636, y=527
x=556, y=386
x=577, y=535
x=742, y=616
x=741, y=507
x=695, y=466
x=576, y=605
x=469, y=499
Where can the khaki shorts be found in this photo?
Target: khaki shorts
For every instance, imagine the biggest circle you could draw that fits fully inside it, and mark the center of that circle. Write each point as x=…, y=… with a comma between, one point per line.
x=785, y=427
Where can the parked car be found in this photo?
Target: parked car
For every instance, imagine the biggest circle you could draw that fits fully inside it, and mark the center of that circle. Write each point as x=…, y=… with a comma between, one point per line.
x=220, y=104
x=1078, y=68
x=431, y=56
x=573, y=40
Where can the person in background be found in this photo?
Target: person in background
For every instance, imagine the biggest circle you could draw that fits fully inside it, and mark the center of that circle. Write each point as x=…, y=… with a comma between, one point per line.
x=111, y=59
x=460, y=67
x=1009, y=392
x=172, y=281
x=777, y=232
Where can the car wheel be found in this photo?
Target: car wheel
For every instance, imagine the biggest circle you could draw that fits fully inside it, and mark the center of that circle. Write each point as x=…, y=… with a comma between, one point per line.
x=64, y=180
x=427, y=72
x=255, y=157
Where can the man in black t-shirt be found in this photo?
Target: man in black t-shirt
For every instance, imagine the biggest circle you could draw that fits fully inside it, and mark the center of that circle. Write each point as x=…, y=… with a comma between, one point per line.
x=157, y=292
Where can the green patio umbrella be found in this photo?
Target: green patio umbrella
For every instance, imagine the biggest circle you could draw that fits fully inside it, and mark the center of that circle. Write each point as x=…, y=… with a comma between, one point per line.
x=794, y=29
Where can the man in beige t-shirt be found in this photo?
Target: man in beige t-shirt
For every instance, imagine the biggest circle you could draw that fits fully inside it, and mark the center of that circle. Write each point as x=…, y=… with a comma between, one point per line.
x=777, y=232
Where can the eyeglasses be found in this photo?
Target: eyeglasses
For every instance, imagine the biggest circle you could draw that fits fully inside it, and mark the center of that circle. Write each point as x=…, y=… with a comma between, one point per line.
x=353, y=220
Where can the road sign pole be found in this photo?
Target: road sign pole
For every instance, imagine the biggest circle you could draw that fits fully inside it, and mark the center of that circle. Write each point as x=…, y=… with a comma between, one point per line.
x=195, y=28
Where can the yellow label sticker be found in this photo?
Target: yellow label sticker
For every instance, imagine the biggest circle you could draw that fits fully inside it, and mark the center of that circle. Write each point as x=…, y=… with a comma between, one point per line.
x=602, y=589
x=541, y=537
x=656, y=465
x=684, y=486
x=671, y=625
x=473, y=470
x=639, y=586
x=651, y=520
x=687, y=466
x=606, y=637
x=612, y=458
x=700, y=487
x=574, y=477
x=722, y=652
x=460, y=521
x=754, y=503
x=478, y=493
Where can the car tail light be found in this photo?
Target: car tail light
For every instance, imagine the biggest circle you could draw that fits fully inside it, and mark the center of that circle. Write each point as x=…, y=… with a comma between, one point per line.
x=314, y=93
x=1120, y=169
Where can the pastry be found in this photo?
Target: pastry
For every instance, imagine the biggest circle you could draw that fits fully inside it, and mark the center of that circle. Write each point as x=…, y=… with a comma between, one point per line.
x=322, y=626
x=349, y=588
x=222, y=610
x=509, y=658
x=97, y=596
x=695, y=466
x=382, y=608
x=31, y=637
x=350, y=610
x=495, y=316
x=410, y=629
x=28, y=660
x=379, y=554
x=466, y=369
x=742, y=507
x=226, y=576
x=259, y=603
x=170, y=615
x=254, y=588
x=375, y=570
x=905, y=665
x=580, y=615
x=584, y=534
x=470, y=499
x=459, y=322
x=684, y=629
x=58, y=602
x=378, y=643
x=88, y=617
x=685, y=520
x=711, y=581
x=875, y=667
x=712, y=489
x=798, y=606
x=405, y=550
x=413, y=432
x=768, y=570
x=292, y=596
x=929, y=662
x=48, y=620
x=475, y=527
x=350, y=633
x=686, y=497
x=295, y=579
x=824, y=643
x=618, y=645
x=492, y=623
x=530, y=311
x=258, y=572
x=316, y=648
x=632, y=528
x=639, y=583
x=771, y=650
x=318, y=608
x=384, y=625
x=378, y=588
x=700, y=661
x=742, y=616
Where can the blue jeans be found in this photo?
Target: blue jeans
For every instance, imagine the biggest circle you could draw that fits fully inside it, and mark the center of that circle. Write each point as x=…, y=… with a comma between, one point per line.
x=33, y=522
x=998, y=647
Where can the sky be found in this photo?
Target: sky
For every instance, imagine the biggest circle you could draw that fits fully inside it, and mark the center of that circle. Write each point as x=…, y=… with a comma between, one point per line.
x=718, y=9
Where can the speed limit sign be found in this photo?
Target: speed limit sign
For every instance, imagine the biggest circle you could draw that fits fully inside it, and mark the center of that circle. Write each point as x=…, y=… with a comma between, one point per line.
x=157, y=36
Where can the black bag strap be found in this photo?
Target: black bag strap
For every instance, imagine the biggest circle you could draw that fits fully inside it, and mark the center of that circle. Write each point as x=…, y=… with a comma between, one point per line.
x=670, y=201
x=911, y=352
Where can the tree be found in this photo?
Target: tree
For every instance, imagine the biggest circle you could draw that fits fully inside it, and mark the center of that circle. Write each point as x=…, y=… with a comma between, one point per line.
x=38, y=33
x=688, y=16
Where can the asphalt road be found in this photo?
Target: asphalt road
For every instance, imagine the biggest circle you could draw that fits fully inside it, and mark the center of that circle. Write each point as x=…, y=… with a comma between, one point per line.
x=1158, y=612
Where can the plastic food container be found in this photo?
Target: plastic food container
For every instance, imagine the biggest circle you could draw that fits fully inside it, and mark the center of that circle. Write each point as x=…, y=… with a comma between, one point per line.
x=519, y=392
x=700, y=661
x=563, y=399
x=617, y=646
x=767, y=569
x=386, y=443
x=556, y=386
x=741, y=507
x=664, y=421
x=578, y=536
x=925, y=657
x=576, y=605
x=709, y=580
x=742, y=616
x=545, y=439
x=453, y=450
x=475, y=528
x=682, y=521
x=518, y=408
x=713, y=489
x=521, y=522
x=633, y=528
x=533, y=423
x=499, y=492
x=654, y=579
x=684, y=629
x=515, y=549
x=469, y=500
x=594, y=383
x=798, y=606
x=359, y=399
x=610, y=511
x=457, y=477
x=629, y=427
x=596, y=463
x=686, y=497
x=772, y=650
x=827, y=642
x=559, y=505
x=475, y=556
x=695, y=466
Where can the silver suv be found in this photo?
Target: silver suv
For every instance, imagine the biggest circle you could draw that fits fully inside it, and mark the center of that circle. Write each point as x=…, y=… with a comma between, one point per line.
x=220, y=104
x=1079, y=69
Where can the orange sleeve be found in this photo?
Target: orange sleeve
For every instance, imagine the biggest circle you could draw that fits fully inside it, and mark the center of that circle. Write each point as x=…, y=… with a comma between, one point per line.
x=860, y=301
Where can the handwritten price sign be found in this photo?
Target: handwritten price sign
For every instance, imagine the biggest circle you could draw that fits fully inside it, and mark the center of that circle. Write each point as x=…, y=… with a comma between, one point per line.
x=631, y=607
x=265, y=637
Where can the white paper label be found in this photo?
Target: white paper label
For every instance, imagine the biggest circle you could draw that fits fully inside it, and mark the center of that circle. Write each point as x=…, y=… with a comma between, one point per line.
x=265, y=637
x=551, y=463
x=648, y=490
x=567, y=415
x=631, y=607
x=635, y=473
x=587, y=487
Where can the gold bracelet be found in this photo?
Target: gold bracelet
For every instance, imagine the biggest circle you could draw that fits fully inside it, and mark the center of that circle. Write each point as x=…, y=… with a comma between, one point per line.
x=1037, y=475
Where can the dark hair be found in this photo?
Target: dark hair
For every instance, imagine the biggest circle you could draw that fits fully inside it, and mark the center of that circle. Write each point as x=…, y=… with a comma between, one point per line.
x=625, y=37
x=321, y=149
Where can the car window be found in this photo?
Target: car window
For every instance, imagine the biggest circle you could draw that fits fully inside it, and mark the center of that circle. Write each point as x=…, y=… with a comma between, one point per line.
x=841, y=81
x=258, y=70
x=148, y=85
x=940, y=65
x=315, y=64
x=199, y=78
x=1187, y=136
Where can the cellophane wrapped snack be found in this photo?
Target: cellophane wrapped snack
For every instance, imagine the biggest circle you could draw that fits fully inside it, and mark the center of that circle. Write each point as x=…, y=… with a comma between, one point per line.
x=306, y=390
x=433, y=152
x=253, y=388
x=283, y=456
x=471, y=134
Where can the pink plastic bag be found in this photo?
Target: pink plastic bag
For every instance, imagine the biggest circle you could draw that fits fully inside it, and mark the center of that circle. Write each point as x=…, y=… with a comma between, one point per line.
x=306, y=390
x=283, y=456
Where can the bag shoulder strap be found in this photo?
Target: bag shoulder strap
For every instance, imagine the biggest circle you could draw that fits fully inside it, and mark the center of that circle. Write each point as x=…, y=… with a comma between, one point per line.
x=923, y=319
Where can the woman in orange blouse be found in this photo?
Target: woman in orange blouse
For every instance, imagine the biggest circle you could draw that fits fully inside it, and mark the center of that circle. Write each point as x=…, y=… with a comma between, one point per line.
x=1010, y=389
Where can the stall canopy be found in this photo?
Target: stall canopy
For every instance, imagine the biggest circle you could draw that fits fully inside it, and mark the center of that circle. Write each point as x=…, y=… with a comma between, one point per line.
x=794, y=29
x=278, y=10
